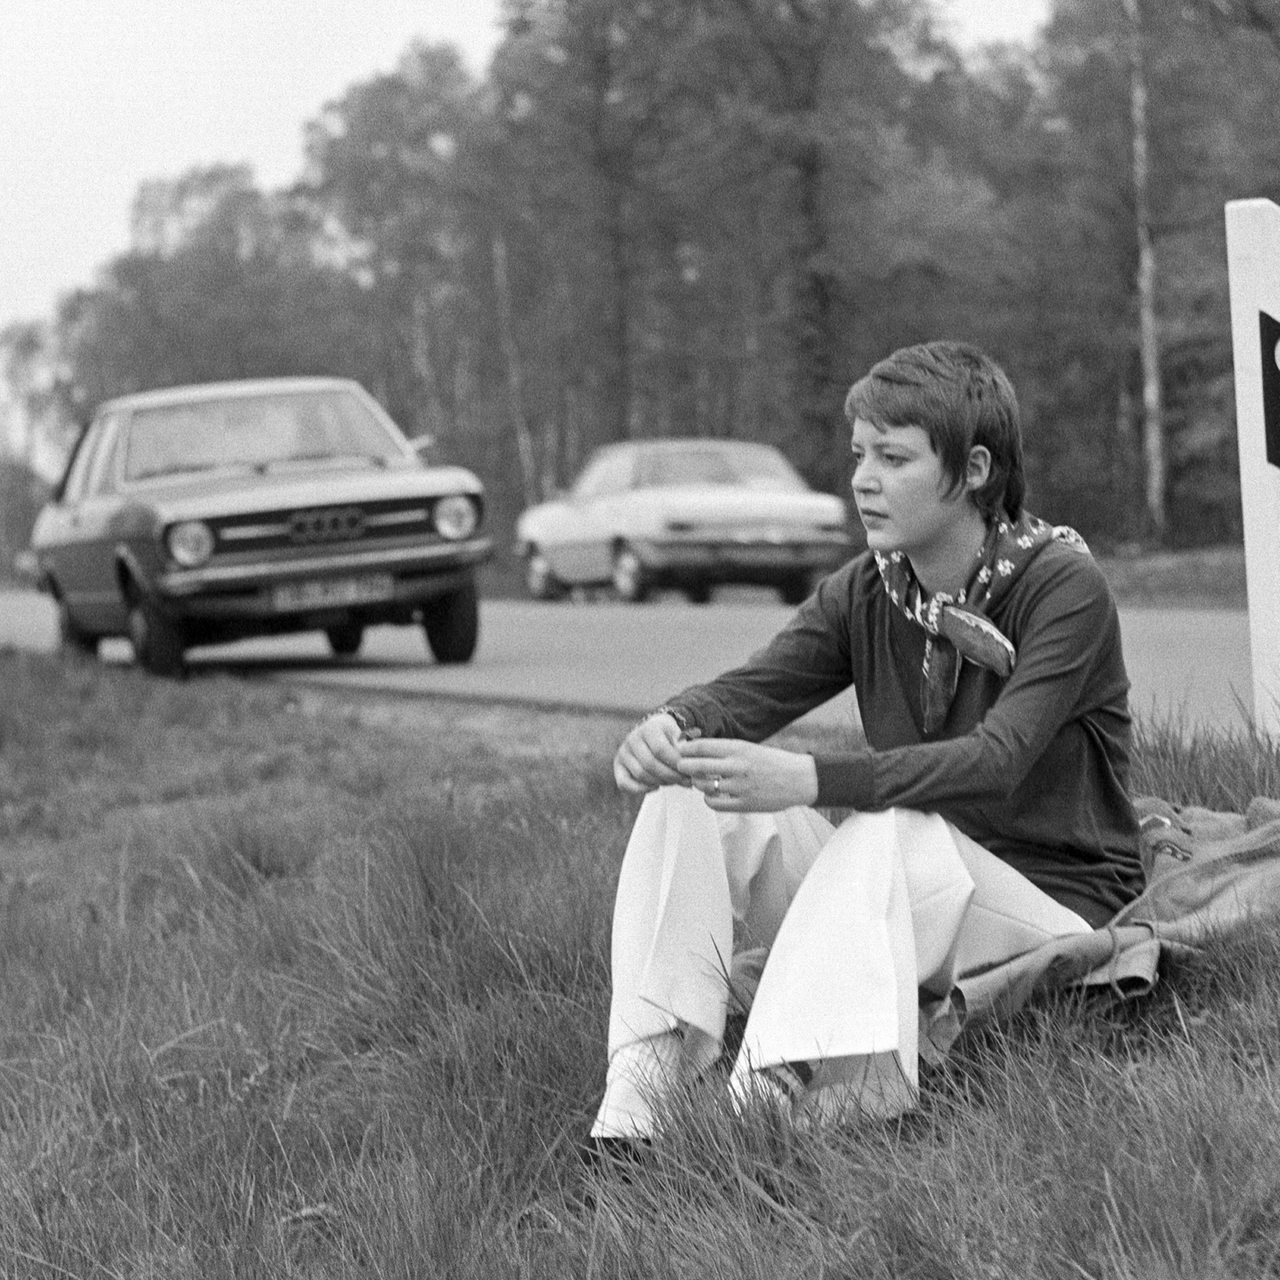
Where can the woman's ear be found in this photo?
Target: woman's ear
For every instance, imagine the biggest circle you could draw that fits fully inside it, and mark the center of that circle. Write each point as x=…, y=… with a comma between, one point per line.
x=978, y=469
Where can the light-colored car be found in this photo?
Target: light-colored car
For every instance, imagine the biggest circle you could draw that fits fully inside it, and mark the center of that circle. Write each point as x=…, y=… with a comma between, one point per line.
x=201, y=514
x=687, y=514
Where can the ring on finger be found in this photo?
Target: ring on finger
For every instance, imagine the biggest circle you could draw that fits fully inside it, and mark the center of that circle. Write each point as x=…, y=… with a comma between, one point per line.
x=715, y=785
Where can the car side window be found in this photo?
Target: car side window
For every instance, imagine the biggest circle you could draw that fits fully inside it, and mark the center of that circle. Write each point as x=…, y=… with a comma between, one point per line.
x=588, y=482
x=610, y=473
x=73, y=487
x=102, y=466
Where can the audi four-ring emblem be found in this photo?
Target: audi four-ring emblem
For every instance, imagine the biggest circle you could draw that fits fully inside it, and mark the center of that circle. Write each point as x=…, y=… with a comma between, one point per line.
x=331, y=524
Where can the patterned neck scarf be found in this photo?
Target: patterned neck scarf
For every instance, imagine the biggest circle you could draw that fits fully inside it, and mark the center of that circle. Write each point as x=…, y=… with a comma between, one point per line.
x=956, y=625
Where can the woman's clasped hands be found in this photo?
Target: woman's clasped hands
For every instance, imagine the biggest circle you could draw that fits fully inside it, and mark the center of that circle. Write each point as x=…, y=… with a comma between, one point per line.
x=734, y=776
x=745, y=777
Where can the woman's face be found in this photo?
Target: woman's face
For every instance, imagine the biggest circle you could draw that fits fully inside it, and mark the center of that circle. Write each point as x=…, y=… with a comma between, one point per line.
x=904, y=498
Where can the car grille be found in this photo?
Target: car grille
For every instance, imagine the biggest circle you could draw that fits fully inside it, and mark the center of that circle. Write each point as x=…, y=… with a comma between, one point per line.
x=323, y=528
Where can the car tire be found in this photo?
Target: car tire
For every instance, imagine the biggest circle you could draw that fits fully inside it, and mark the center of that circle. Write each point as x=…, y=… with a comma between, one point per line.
x=345, y=640
x=72, y=638
x=452, y=625
x=698, y=593
x=795, y=589
x=630, y=580
x=158, y=643
x=539, y=580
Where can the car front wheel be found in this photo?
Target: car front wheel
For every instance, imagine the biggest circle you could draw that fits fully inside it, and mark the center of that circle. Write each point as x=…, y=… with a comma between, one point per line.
x=795, y=589
x=452, y=625
x=158, y=643
x=539, y=579
x=629, y=578
x=345, y=640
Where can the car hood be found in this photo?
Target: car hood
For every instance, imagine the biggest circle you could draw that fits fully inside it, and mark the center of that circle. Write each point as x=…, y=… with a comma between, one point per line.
x=235, y=492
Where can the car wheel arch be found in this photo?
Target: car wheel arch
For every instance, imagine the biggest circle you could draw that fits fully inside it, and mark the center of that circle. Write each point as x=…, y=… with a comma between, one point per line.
x=159, y=643
x=129, y=576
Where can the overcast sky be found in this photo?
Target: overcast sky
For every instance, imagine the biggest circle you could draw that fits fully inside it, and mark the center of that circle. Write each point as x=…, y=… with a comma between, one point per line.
x=98, y=95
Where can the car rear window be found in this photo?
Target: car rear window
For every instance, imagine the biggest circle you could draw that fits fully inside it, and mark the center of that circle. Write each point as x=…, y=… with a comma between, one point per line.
x=755, y=466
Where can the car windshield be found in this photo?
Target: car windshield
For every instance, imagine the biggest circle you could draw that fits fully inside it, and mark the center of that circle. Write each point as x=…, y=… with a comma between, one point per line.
x=254, y=431
x=755, y=466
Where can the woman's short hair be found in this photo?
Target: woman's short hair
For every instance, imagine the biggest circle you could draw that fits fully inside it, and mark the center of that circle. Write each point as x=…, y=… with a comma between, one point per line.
x=961, y=398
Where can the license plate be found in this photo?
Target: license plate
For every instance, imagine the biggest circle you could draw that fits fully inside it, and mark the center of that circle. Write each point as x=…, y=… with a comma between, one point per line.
x=328, y=593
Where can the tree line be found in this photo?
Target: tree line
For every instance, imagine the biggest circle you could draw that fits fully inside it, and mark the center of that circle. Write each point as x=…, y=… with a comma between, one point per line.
x=708, y=217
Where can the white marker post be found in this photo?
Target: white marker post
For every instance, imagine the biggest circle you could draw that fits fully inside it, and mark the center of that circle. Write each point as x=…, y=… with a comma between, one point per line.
x=1253, y=271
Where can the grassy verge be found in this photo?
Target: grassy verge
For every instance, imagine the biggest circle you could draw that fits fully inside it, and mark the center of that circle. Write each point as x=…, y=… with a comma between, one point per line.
x=293, y=987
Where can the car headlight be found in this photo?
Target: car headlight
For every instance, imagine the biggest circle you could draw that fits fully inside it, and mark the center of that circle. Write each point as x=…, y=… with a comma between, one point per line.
x=190, y=543
x=455, y=517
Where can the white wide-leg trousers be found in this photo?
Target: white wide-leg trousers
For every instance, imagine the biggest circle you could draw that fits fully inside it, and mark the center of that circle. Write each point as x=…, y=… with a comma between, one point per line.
x=858, y=921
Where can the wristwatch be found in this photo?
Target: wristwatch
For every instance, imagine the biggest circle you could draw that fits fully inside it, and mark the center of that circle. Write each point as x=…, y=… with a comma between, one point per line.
x=678, y=716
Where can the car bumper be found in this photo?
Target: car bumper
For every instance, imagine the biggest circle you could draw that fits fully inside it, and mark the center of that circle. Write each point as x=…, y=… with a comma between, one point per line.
x=368, y=582
x=740, y=559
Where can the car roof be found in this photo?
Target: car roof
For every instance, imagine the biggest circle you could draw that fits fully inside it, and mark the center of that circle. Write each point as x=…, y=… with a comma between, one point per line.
x=687, y=444
x=226, y=390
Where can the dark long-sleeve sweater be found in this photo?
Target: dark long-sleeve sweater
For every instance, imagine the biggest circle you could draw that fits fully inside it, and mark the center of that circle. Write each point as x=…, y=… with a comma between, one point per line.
x=1034, y=768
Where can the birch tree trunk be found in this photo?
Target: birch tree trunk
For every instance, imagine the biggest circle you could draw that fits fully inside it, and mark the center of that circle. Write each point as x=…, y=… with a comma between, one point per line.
x=432, y=418
x=515, y=378
x=1153, y=454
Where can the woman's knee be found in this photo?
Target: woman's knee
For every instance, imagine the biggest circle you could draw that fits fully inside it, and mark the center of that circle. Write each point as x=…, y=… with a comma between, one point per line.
x=898, y=824
x=662, y=798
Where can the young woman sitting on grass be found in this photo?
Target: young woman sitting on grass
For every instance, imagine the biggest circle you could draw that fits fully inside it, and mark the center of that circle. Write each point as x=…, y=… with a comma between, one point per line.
x=990, y=801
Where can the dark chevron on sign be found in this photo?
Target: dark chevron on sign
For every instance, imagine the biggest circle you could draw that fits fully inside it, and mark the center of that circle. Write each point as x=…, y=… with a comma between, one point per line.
x=1271, y=384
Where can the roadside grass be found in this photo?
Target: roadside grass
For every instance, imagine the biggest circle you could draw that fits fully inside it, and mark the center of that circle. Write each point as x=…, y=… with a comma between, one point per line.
x=304, y=987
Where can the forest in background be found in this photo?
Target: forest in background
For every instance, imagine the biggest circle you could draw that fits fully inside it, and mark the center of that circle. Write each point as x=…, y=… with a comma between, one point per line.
x=708, y=217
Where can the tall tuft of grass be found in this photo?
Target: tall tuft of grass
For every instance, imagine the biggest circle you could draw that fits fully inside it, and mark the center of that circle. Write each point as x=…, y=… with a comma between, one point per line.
x=1221, y=769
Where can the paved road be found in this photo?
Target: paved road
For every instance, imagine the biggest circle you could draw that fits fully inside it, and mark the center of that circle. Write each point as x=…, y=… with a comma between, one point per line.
x=1192, y=664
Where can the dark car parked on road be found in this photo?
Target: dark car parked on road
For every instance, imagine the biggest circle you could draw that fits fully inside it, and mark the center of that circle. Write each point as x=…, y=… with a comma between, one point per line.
x=201, y=514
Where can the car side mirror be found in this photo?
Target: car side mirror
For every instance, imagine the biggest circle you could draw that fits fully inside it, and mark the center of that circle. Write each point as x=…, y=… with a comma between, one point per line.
x=420, y=444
